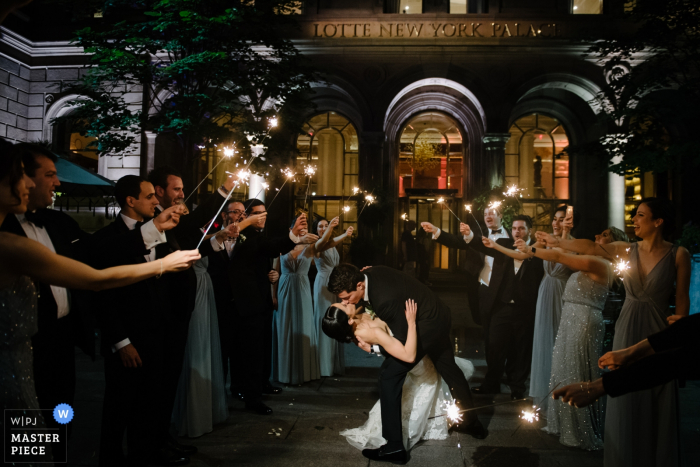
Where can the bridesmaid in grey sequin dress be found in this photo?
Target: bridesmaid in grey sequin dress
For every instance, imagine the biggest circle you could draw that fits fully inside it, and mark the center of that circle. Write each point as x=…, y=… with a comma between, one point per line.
x=579, y=345
x=331, y=353
x=548, y=314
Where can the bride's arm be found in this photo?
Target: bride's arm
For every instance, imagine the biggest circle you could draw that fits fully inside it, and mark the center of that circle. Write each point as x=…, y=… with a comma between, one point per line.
x=393, y=346
x=22, y=256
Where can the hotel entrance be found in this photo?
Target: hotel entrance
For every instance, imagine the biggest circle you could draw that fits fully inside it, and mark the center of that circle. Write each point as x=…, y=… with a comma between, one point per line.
x=431, y=171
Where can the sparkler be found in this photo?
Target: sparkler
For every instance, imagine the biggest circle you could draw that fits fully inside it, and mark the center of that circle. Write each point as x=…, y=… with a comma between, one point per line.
x=404, y=217
x=495, y=205
x=442, y=201
x=288, y=174
x=369, y=199
x=512, y=191
x=265, y=186
x=452, y=412
x=310, y=170
x=355, y=190
x=468, y=207
x=479, y=408
x=228, y=153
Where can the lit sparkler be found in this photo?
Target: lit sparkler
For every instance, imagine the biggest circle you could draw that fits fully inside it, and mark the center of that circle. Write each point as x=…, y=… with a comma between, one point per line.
x=452, y=411
x=404, y=216
x=531, y=416
x=310, y=170
x=346, y=208
x=442, y=201
x=273, y=122
x=512, y=191
x=495, y=205
x=468, y=208
x=228, y=154
x=369, y=199
x=355, y=190
x=621, y=266
x=288, y=175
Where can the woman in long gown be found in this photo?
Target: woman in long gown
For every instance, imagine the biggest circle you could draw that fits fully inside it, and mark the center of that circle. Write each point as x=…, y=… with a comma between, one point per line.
x=294, y=339
x=547, y=316
x=641, y=428
x=22, y=258
x=424, y=392
x=201, y=398
x=330, y=352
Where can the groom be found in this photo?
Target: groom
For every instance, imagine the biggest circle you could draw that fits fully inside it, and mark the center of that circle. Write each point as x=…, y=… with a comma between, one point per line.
x=385, y=290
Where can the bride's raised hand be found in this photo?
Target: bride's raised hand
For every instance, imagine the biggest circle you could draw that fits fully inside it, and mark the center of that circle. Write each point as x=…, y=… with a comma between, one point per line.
x=362, y=344
x=411, y=311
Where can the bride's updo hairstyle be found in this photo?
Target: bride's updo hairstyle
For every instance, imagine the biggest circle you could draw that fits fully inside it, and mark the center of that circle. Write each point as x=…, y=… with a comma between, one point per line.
x=335, y=325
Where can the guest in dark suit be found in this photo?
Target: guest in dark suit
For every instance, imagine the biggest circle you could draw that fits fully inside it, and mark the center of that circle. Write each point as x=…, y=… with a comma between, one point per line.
x=168, y=186
x=250, y=281
x=63, y=324
x=134, y=321
x=507, y=304
x=233, y=214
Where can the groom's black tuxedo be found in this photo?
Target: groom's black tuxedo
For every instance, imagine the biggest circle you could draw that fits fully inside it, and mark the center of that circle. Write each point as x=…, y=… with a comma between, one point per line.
x=388, y=290
x=508, y=311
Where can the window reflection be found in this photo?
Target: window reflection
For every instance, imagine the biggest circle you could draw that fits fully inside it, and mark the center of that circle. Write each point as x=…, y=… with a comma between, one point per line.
x=409, y=7
x=587, y=7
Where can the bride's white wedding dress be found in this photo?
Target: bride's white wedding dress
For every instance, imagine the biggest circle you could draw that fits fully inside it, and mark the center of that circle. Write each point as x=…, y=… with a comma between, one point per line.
x=424, y=392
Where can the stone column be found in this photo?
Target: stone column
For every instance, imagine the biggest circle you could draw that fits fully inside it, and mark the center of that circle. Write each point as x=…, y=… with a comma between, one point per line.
x=495, y=158
x=150, y=150
x=256, y=181
x=616, y=198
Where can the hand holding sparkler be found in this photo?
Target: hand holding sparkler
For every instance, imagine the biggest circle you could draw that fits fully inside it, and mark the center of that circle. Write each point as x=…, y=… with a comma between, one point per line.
x=299, y=225
x=581, y=394
x=169, y=218
x=464, y=229
x=349, y=231
x=428, y=227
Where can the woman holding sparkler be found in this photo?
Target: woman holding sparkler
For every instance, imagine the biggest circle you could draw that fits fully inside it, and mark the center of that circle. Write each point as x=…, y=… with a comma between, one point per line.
x=331, y=354
x=294, y=340
x=579, y=341
x=642, y=428
x=424, y=390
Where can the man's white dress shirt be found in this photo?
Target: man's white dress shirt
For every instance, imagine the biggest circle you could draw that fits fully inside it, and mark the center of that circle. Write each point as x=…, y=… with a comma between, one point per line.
x=485, y=274
x=39, y=234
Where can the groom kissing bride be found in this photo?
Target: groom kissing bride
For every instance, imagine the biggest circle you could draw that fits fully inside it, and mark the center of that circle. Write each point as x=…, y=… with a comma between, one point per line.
x=390, y=295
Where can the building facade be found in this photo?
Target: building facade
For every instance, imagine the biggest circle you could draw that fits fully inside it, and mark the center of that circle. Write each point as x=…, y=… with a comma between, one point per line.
x=420, y=100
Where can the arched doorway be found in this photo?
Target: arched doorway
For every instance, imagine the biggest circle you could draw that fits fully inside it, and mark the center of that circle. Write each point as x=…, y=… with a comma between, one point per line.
x=330, y=144
x=537, y=164
x=431, y=168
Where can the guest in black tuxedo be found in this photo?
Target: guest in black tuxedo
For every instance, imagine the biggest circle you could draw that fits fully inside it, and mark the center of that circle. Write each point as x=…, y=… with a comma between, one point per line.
x=63, y=323
x=233, y=214
x=135, y=321
x=507, y=304
x=251, y=285
x=386, y=291
x=168, y=186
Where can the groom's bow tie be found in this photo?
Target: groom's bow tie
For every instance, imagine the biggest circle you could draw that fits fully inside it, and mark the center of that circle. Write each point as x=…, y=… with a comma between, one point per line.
x=35, y=218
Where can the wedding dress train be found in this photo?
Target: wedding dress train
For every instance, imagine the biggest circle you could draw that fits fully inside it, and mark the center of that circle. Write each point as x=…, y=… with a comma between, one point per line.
x=424, y=393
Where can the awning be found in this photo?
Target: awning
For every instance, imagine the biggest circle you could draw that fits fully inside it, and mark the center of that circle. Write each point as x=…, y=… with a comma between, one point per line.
x=76, y=181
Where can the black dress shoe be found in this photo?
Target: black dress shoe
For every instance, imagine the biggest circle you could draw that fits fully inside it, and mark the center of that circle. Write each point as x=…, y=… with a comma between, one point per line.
x=515, y=395
x=485, y=390
x=258, y=407
x=475, y=429
x=168, y=458
x=182, y=449
x=399, y=456
x=269, y=389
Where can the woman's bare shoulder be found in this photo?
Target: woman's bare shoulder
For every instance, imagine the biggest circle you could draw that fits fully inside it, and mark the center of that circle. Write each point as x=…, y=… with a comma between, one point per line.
x=10, y=241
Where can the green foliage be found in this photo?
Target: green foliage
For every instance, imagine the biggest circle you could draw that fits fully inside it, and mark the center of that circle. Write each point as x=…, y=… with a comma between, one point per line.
x=509, y=208
x=200, y=70
x=690, y=238
x=651, y=107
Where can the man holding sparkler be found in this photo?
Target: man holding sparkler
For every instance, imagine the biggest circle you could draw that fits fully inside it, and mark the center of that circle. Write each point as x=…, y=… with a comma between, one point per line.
x=508, y=304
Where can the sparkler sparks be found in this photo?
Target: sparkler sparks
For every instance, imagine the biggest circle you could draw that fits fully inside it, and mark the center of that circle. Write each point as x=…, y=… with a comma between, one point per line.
x=620, y=267
x=346, y=208
x=531, y=416
x=273, y=122
x=495, y=204
x=468, y=207
x=310, y=170
x=452, y=412
x=404, y=217
x=229, y=152
x=369, y=199
x=512, y=191
x=355, y=190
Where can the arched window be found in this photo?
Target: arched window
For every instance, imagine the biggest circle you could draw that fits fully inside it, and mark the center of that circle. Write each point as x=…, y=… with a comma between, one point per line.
x=330, y=144
x=537, y=164
x=78, y=149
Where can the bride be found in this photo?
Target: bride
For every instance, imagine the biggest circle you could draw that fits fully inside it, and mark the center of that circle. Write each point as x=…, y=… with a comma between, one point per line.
x=424, y=391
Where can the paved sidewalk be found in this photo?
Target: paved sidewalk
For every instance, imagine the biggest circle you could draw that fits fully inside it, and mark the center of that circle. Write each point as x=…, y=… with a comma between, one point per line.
x=309, y=419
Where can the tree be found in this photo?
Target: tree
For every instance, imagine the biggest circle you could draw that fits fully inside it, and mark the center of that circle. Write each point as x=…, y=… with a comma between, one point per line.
x=202, y=71
x=653, y=75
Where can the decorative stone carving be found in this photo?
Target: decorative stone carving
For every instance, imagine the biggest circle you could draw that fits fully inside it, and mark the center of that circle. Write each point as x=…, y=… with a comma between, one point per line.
x=49, y=99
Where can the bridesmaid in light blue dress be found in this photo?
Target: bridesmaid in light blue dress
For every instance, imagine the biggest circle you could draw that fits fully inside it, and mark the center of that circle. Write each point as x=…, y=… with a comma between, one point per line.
x=548, y=314
x=201, y=401
x=294, y=339
x=331, y=353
